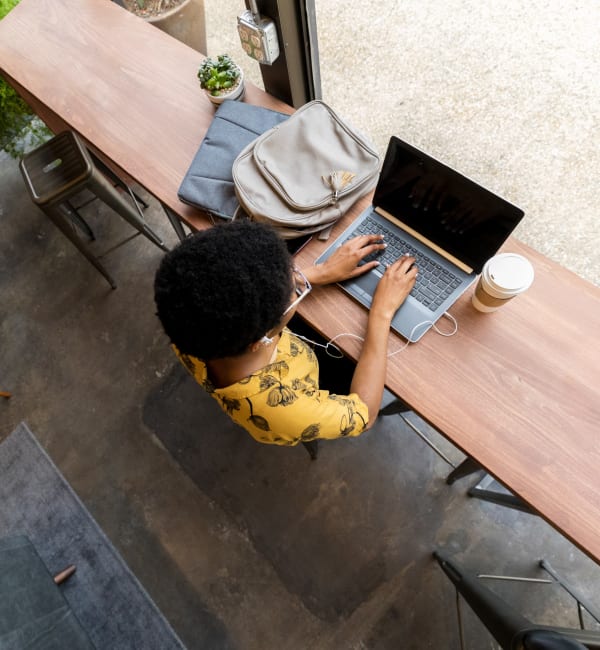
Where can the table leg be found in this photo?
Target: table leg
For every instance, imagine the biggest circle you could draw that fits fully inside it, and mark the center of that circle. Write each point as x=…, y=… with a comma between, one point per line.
x=468, y=466
x=481, y=491
x=175, y=222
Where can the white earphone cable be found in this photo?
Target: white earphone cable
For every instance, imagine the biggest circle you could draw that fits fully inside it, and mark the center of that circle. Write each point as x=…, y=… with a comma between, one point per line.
x=330, y=345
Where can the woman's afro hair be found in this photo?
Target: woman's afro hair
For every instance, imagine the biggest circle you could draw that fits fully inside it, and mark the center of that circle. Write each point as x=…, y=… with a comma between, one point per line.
x=223, y=288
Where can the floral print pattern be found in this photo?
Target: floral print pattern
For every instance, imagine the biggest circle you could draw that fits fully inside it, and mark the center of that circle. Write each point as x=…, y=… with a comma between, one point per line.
x=282, y=404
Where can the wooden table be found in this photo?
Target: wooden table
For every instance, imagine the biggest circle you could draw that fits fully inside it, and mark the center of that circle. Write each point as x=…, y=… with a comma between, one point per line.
x=518, y=390
x=128, y=88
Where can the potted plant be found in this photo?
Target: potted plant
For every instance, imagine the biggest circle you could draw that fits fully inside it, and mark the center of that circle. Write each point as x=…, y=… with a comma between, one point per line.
x=221, y=78
x=182, y=19
x=20, y=129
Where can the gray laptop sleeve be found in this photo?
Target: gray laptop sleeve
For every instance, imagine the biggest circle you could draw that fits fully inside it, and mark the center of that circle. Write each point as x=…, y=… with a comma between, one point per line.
x=208, y=183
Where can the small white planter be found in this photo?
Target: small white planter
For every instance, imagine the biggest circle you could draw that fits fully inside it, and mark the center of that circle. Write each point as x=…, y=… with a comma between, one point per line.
x=233, y=93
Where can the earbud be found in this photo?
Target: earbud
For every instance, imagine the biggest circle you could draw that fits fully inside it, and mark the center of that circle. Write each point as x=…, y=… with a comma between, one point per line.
x=266, y=340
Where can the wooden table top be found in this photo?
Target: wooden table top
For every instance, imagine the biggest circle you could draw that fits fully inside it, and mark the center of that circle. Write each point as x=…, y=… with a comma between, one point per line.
x=128, y=88
x=518, y=389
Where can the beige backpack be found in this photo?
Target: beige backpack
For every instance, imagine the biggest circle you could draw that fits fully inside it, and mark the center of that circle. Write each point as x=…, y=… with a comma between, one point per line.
x=302, y=175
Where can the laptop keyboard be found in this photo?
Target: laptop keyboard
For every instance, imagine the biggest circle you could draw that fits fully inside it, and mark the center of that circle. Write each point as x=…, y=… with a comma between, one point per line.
x=434, y=283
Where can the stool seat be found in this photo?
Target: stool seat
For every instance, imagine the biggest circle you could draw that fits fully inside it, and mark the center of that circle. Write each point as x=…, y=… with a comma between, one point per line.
x=58, y=169
x=61, y=168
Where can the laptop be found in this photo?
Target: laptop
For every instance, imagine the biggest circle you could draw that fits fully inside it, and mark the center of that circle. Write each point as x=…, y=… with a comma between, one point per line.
x=449, y=223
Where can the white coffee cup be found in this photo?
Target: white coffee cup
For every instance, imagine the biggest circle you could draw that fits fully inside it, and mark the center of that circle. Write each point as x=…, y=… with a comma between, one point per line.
x=503, y=277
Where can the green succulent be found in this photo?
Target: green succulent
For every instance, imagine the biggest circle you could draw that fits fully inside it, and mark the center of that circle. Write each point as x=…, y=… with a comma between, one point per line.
x=218, y=74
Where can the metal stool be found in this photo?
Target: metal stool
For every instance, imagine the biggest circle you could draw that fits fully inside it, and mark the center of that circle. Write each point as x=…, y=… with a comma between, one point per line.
x=63, y=167
x=508, y=626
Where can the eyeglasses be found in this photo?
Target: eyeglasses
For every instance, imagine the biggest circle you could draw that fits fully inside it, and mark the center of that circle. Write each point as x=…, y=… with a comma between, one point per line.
x=302, y=287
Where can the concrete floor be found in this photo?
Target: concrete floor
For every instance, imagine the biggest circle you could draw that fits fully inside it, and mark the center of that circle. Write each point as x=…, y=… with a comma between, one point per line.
x=242, y=545
x=245, y=546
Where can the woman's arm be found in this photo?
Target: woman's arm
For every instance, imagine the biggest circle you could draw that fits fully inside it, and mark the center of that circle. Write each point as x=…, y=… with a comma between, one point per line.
x=343, y=264
x=369, y=377
x=395, y=285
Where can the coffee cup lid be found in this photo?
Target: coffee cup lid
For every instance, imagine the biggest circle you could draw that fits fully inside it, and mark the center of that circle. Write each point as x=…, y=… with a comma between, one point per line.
x=509, y=273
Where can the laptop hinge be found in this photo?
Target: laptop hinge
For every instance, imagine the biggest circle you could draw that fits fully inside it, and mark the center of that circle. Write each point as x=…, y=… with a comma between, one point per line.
x=424, y=240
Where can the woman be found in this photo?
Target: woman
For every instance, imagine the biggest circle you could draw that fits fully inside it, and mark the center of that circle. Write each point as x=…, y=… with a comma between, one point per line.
x=225, y=296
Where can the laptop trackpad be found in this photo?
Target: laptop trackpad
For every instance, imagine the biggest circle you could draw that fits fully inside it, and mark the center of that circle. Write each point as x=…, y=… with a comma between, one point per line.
x=366, y=285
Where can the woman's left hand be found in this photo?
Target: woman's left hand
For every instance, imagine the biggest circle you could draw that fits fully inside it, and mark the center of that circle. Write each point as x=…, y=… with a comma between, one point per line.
x=343, y=264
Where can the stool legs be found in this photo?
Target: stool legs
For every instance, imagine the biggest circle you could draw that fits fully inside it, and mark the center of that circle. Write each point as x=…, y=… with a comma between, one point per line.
x=78, y=220
x=103, y=189
x=107, y=171
x=57, y=214
x=63, y=167
x=503, y=622
x=507, y=625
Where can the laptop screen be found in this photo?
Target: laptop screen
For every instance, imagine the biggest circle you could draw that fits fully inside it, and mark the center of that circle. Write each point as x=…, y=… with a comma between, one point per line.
x=457, y=214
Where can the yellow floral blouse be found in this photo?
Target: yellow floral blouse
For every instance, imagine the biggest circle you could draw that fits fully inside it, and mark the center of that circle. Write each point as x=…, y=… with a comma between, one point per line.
x=281, y=404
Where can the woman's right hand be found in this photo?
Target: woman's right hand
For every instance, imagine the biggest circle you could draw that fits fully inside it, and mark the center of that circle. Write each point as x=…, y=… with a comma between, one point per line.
x=344, y=263
x=369, y=377
x=394, y=287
